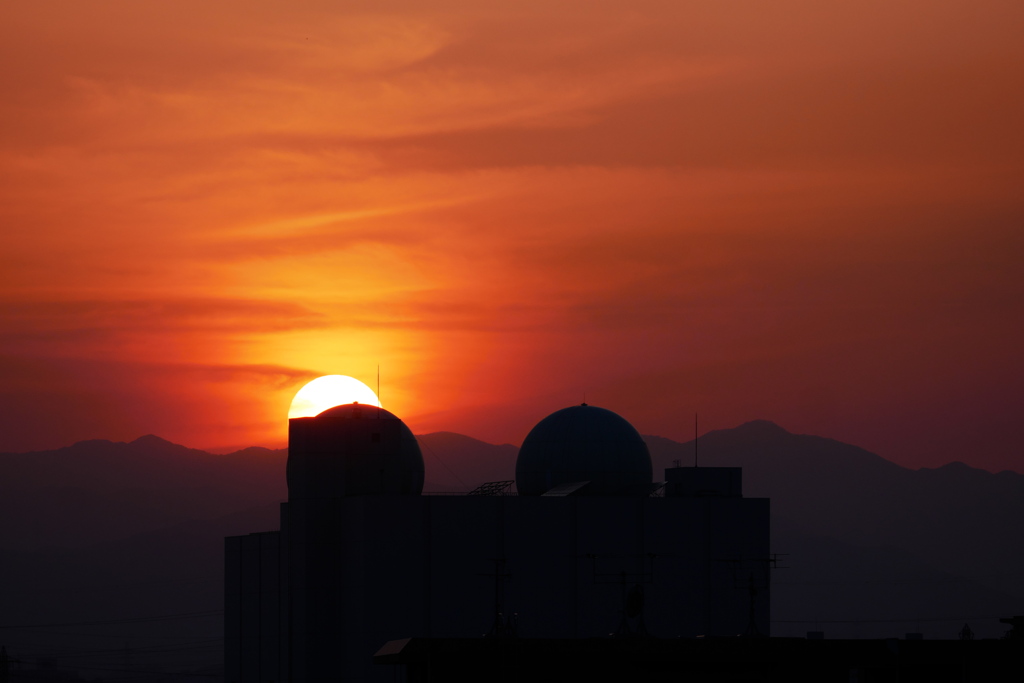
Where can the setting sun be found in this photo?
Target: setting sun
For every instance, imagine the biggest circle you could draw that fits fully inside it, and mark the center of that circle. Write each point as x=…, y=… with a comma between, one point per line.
x=329, y=391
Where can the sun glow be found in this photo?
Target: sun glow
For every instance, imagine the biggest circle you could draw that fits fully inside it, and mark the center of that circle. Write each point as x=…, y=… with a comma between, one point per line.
x=329, y=391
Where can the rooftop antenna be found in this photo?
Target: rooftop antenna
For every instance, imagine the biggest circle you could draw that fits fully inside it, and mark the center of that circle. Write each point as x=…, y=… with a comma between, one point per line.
x=504, y=626
x=378, y=390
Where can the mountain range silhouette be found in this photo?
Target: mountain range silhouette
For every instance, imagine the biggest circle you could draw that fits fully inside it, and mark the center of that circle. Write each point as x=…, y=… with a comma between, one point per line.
x=131, y=535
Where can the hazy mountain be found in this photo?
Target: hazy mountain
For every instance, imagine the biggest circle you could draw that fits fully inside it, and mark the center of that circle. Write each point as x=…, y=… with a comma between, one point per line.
x=455, y=462
x=868, y=540
x=956, y=518
x=98, y=490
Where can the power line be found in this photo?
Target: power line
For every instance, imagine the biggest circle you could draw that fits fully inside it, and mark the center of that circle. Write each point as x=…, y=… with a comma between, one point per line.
x=443, y=464
x=133, y=620
x=152, y=673
x=884, y=621
x=195, y=645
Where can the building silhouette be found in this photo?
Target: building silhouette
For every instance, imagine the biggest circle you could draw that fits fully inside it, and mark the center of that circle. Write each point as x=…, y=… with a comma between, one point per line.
x=591, y=547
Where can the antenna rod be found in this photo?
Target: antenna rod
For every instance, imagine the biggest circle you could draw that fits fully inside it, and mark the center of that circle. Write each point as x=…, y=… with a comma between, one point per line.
x=378, y=389
x=695, y=439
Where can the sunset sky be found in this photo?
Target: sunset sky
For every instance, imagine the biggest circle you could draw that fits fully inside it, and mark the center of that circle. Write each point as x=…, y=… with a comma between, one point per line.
x=809, y=212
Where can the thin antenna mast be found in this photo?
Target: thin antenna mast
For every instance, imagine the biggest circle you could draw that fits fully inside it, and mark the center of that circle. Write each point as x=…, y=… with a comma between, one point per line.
x=695, y=439
x=378, y=389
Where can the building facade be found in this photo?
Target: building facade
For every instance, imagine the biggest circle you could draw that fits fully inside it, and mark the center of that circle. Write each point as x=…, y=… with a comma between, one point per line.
x=590, y=548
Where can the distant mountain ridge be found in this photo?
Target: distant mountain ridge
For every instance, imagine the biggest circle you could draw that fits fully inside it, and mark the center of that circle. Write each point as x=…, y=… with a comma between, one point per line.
x=956, y=515
x=455, y=462
x=946, y=540
x=77, y=495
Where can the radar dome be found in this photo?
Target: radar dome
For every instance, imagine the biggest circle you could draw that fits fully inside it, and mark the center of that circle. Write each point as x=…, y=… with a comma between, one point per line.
x=584, y=444
x=352, y=450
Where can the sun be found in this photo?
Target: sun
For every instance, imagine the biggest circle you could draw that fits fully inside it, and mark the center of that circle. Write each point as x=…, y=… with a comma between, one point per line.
x=329, y=391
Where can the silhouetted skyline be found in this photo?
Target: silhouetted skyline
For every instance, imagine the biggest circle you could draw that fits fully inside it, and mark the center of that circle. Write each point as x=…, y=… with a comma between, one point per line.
x=124, y=540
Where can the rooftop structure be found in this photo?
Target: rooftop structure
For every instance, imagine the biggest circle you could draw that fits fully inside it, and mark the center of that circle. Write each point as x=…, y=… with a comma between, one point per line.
x=585, y=550
x=587, y=445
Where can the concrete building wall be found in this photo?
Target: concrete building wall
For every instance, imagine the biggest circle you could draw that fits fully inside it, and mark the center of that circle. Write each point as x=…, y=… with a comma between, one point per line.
x=365, y=570
x=253, y=608
x=384, y=568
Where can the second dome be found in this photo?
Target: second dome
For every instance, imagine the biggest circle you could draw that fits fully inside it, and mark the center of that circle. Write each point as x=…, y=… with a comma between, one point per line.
x=584, y=444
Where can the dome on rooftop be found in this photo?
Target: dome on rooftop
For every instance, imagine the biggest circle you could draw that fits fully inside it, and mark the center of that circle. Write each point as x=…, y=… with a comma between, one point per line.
x=352, y=450
x=584, y=444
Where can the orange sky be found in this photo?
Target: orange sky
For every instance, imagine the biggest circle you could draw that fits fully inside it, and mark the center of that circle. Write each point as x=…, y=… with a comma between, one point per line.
x=800, y=211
